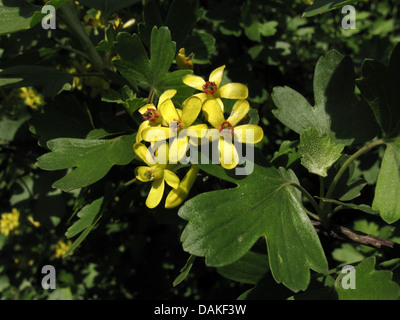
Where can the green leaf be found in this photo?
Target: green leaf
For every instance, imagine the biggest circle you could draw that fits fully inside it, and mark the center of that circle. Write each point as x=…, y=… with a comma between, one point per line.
x=92, y=159
x=347, y=253
x=51, y=80
x=16, y=15
x=371, y=284
x=127, y=98
x=184, y=271
x=248, y=269
x=380, y=86
x=137, y=67
x=387, y=190
x=319, y=151
x=361, y=207
x=336, y=109
x=38, y=15
x=322, y=6
x=86, y=217
x=224, y=225
x=66, y=118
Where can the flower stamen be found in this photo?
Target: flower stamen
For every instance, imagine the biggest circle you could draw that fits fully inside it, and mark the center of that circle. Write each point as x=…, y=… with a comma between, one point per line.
x=151, y=115
x=223, y=128
x=209, y=88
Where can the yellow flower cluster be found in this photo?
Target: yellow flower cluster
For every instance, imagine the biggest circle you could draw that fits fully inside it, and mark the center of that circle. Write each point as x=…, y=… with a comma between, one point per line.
x=9, y=221
x=31, y=97
x=62, y=248
x=183, y=127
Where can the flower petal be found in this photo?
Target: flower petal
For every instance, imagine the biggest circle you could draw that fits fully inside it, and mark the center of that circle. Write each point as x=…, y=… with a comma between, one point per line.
x=202, y=96
x=143, y=153
x=216, y=75
x=165, y=96
x=191, y=108
x=145, y=124
x=213, y=113
x=152, y=134
x=248, y=133
x=194, y=81
x=178, y=149
x=228, y=155
x=156, y=193
x=172, y=179
x=146, y=107
x=234, y=91
x=239, y=111
x=177, y=196
x=168, y=111
x=140, y=173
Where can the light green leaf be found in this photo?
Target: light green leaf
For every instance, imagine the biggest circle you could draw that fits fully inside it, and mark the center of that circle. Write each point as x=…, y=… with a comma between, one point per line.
x=224, y=225
x=319, y=151
x=322, y=6
x=92, y=159
x=16, y=15
x=371, y=284
x=387, y=190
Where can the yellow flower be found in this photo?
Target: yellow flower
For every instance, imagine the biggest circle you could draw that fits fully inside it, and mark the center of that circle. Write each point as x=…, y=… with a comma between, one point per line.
x=212, y=90
x=96, y=22
x=158, y=171
x=227, y=130
x=152, y=115
x=9, y=221
x=36, y=224
x=182, y=61
x=177, y=196
x=178, y=121
x=31, y=97
x=62, y=248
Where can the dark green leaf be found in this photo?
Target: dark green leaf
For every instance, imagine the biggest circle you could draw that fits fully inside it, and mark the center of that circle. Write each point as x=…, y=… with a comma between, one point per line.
x=223, y=225
x=248, y=269
x=51, y=80
x=336, y=109
x=371, y=284
x=92, y=159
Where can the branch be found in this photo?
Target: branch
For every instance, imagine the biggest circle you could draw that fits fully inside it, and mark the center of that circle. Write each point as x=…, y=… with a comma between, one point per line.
x=343, y=233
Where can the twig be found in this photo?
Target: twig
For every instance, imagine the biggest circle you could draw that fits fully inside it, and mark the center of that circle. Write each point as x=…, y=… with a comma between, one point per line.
x=342, y=233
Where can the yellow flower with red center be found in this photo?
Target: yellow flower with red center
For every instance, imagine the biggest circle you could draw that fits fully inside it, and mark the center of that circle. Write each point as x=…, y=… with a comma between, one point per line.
x=211, y=89
x=179, y=122
x=227, y=131
x=152, y=114
x=157, y=171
